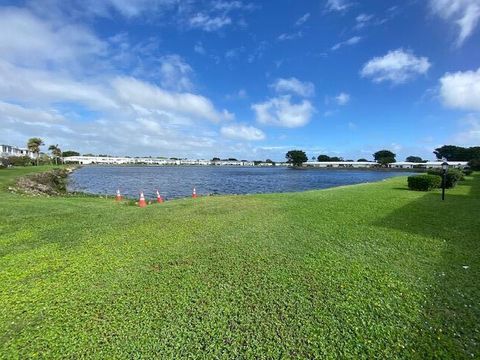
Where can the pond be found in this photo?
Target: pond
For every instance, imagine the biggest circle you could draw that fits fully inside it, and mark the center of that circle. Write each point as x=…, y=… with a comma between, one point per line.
x=178, y=181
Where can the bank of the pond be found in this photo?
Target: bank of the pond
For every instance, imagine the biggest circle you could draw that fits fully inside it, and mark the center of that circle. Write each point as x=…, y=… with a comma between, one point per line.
x=358, y=271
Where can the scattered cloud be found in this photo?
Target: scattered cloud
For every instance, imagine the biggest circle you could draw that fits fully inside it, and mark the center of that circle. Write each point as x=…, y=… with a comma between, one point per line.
x=290, y=36
x=470, y=134
x=239, y=95
x=199, y=49
x=242, y=132
x=464, y=14
x=295, y=86
x=280, y=111
x=337, y=5
x=208, y=23
x=302, y=20
x=352, y=41
x=342, y=99
x=175, y=73
x=362, y=20
x=461, y=90
x=397, y=66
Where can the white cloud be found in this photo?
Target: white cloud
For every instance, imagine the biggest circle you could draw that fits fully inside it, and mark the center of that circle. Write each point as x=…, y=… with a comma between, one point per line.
x=280, y=111
x=302, y=20
x=337, y=5
x=209, y=23
x=290, y=36
x=175, y=73
x=47, y=87
x=465, y=14
x=242, y=132
x=133, y=91
x=342, y=98
x=362, y=20
x=22, y=34
x=397, y=66
x=293, y=85
x=461, y=90
x=352, y=41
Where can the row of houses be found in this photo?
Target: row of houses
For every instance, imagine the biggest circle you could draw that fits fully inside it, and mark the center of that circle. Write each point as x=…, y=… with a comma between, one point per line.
x=396, y=165
x=9, y=150
x=108, y=160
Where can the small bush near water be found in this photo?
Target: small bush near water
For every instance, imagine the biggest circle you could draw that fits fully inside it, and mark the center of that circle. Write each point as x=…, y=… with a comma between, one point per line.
x=467, y=171
x=452, y=178
x=424, y=182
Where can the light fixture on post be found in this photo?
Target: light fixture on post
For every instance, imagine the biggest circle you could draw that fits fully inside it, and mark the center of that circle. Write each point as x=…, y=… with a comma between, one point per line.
x=444, y=178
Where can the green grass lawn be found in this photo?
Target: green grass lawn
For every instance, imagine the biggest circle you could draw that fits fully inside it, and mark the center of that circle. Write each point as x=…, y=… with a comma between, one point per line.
x=365, y=271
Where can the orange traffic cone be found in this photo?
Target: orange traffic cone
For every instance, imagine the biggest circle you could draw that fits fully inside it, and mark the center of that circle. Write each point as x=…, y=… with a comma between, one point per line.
x=194, y=193
x=118, y=197
x=142, y=202
x=159, y=198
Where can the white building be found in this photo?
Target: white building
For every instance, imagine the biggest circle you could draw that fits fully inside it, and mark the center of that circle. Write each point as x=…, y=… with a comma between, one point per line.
x=427, y=165
x=9, y=150
x=86, y=160
x=396, y=165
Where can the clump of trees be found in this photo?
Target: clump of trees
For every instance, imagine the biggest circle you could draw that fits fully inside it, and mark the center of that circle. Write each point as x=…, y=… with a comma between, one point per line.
x=296, y=157
x=415, y=159
x=457, y=153
x=69, y=153
x=384, y=157
x=326, y=158
x=474, y=164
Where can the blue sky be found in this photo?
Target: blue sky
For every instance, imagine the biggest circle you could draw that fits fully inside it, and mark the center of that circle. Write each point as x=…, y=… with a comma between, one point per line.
x=232, y=78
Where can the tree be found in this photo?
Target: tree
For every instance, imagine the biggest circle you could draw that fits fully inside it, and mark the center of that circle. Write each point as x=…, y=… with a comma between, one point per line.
x=362, y=160
x=216, y=159
x=56, y=152
x=457, y=153
x=336, y=158
x=474, y=164
x=384, y=157
x=296, y=157
x=323, y=158
x=269, y=161
x=415, y=159
x=33, y=145
x=70, y=153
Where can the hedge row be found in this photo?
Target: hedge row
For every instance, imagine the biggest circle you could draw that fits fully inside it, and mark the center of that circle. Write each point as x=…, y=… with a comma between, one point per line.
x=424, y=182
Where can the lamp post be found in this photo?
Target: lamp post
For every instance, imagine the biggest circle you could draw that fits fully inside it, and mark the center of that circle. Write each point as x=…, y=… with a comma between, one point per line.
x=444, y=180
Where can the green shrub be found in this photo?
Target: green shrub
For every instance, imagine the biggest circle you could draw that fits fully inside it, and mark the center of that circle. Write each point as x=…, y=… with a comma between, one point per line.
x=424, y=182
x=474, y=164
x=452, y=178
x=20, y=161
x=467, y=171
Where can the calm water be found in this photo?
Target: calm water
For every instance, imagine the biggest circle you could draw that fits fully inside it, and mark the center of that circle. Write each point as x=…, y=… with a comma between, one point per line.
x=177, y=181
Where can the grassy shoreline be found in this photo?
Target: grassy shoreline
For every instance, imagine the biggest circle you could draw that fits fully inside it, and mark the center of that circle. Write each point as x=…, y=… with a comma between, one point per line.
x=354, y=271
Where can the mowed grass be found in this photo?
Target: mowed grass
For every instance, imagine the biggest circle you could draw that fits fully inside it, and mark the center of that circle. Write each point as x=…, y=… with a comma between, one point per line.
x=366, y=271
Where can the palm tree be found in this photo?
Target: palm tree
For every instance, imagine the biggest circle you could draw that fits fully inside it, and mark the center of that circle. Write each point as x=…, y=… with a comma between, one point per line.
x=56, y=152
x=34, y=146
